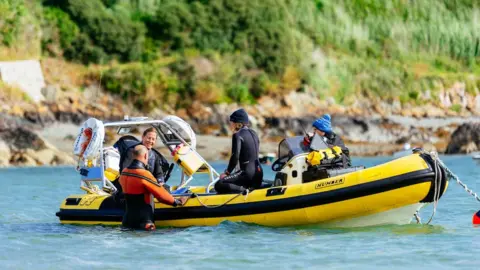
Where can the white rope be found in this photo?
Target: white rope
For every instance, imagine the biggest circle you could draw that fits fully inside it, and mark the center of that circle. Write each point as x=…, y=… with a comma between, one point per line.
x=451, y=175
x=246, y=195
x=417, y=217
x=434, y=189
x=438, y=164
x=437, y=185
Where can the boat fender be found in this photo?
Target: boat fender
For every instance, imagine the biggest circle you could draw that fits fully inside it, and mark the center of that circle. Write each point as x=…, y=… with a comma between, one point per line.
x=476, y=218
x=315, y=157
x=89, y=140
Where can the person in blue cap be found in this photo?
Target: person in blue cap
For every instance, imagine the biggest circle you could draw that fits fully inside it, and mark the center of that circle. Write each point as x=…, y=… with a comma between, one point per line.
x=245, y=154
x=323, y=127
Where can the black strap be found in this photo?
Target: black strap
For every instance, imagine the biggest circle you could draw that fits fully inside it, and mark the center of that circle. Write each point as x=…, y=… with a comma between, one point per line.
x=344, y=161
x=170, y=169
x=141, y=177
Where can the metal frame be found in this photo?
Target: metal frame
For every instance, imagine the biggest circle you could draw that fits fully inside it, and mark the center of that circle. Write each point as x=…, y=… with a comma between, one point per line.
x=158, y=125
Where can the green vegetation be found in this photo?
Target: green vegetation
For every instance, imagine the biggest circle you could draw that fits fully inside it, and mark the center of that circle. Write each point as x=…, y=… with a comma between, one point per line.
x=236, y=51
x=19, y=29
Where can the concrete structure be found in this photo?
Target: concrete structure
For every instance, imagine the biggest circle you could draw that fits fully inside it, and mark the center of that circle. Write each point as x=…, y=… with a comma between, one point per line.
x=27, y=75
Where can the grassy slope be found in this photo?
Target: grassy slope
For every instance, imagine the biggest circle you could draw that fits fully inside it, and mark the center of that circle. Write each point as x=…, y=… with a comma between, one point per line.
x=379, y=49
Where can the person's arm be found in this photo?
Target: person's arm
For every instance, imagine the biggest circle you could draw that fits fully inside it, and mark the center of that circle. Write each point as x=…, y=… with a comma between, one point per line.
x=236, y=146
x=339, y=142
x=159, y=192
x=345, y=152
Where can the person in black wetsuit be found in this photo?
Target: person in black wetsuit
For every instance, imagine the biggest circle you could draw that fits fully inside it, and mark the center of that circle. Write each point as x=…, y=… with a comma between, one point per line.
x=157, y=164
x=245, y=151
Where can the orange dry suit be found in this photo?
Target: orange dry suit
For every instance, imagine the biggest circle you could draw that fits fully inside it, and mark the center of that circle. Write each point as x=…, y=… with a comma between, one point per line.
x=139, y=185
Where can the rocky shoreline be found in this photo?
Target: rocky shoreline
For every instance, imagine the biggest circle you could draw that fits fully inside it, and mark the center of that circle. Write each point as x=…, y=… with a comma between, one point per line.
x=43, y=133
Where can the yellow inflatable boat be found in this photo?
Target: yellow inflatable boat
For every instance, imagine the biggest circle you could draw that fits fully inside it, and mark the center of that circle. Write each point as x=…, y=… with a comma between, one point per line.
x=390, y=193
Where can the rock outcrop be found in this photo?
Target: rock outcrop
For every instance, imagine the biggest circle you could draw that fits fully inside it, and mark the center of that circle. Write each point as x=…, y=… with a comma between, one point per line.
x=5, y=154
x=370, y=127
x=465, y=139
x=22, y=146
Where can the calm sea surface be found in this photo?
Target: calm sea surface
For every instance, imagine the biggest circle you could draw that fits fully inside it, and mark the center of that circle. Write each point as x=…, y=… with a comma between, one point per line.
x=31, y=236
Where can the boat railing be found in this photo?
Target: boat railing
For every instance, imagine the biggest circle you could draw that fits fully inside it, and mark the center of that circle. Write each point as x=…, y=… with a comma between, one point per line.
x=171, y=139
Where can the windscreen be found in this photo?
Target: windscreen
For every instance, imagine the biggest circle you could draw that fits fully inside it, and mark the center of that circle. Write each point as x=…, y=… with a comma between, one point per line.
x=291, y=147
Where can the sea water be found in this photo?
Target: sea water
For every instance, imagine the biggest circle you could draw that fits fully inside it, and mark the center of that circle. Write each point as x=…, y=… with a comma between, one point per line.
x=31, y=236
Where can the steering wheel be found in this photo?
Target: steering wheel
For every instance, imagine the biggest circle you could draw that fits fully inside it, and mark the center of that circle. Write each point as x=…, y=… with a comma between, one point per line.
x=279, y=163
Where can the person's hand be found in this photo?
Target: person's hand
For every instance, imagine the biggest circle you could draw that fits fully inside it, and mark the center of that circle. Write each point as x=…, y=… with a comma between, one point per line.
x=223, y=175
x=183, y=200
x=306, y=141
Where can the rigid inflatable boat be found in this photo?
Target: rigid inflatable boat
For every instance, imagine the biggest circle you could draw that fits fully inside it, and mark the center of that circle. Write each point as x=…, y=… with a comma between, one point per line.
x=300, y=194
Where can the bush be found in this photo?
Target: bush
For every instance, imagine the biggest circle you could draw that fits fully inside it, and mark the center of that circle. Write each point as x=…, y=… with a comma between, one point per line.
x=110, y=30
x=145, y=86
x=11, y=15
x=83, y=50
x=456, y=108
x=259, y=84
x=262, y=28
x=239, y=93
x=186, y=81
x=58, y=30
x=208, y=92
x=291, y=79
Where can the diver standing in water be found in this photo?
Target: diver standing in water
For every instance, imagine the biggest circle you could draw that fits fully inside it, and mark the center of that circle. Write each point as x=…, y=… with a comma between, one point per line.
x=245, y=151
x=139, y=185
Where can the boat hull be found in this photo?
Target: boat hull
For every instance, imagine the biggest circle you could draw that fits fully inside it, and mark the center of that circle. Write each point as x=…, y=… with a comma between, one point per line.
x=386, y=194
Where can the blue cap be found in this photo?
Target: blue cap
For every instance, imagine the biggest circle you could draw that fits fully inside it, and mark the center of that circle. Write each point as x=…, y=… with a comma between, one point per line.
x=239, y=116
x=323, y=123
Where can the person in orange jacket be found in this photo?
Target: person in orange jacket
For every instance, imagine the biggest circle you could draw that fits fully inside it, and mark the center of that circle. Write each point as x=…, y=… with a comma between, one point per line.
x=139, y=187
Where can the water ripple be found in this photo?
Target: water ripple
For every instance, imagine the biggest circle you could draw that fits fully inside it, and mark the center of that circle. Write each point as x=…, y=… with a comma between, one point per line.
x=31, y=236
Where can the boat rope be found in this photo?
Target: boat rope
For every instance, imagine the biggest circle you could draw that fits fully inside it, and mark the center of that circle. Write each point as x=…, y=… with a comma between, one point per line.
x=438, y=164
x=417, y=217
x=246, y=192
x=436, y=184
x=453, y=176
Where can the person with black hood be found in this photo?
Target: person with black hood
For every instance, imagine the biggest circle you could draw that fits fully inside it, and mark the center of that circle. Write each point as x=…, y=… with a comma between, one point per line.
x=245, y=152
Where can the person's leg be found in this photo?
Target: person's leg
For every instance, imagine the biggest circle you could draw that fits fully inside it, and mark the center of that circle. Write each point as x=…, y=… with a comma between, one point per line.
x=258, y=178
x=148, y=226
x=253, y=175
x=232, y=183
x=148, y=223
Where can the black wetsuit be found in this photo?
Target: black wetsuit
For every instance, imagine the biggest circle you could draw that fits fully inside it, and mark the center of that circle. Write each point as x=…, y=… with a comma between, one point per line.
x=245, y=150
x=140, y=187
x=156, y=163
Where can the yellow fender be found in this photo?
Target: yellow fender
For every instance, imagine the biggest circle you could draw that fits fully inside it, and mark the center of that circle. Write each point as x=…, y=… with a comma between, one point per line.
x=315, y=157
